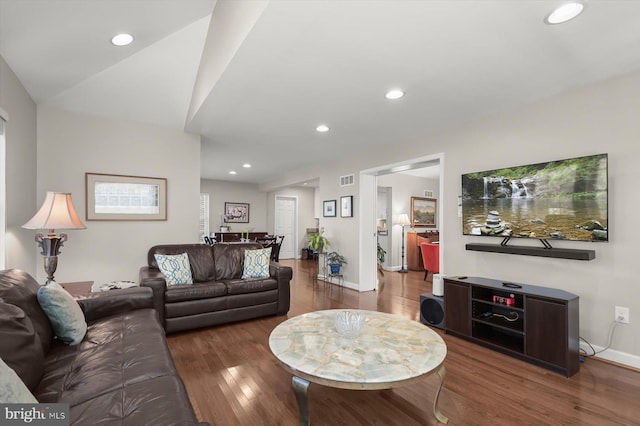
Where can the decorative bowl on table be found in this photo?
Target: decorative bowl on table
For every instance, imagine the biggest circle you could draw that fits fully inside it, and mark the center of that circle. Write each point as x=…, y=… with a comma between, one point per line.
x=349, y=323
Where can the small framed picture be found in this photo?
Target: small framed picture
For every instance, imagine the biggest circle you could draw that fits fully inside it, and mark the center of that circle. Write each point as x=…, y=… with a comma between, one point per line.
x=423, y=212
x=346, y=206
x=329, y=208
x=236, y=212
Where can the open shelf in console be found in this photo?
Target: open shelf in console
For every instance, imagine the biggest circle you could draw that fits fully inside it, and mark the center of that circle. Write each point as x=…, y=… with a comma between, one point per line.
x=498, y=336
x=498, y=315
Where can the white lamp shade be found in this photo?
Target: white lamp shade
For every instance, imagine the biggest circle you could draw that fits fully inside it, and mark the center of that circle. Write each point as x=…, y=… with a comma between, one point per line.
x=57, y=212
x=403, y=219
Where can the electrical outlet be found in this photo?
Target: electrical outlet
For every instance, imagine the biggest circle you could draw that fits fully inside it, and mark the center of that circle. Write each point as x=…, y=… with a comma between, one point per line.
x=622, y=314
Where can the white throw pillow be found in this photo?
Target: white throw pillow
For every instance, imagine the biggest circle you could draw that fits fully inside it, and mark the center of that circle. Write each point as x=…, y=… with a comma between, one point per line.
x=175, y=268
x=256, y=263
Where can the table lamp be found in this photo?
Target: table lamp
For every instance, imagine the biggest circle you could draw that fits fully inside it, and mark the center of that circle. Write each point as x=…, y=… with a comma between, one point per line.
x=403, y=220
x=57, y=211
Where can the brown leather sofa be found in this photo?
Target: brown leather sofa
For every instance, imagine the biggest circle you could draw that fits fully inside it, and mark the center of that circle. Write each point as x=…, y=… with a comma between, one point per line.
x=121, y=373
x=218, y=294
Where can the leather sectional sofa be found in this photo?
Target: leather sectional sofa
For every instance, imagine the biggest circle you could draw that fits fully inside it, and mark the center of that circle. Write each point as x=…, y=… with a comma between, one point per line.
x=121, y=373
x=218, y=294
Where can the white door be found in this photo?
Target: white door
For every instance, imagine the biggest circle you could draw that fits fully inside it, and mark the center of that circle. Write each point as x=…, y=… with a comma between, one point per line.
x=286, y=218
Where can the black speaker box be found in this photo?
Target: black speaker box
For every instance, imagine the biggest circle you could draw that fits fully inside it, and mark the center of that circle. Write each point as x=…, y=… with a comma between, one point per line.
x=432, y=310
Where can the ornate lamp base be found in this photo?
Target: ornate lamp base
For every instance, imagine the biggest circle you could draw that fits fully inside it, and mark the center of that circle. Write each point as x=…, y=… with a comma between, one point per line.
x=50, y=246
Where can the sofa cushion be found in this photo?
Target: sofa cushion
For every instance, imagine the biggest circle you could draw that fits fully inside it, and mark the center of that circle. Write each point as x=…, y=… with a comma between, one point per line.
x=175, y=268
x=116, y=351
x=122, y=373
x=256, y=263
x=200, y=259
x=13, y=389
x=252, y=285
x=20, y=345
x=195, y=291
x=64, y=313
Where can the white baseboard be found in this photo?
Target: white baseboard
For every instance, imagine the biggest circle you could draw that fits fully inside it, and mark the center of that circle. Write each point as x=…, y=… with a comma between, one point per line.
x=618, y=357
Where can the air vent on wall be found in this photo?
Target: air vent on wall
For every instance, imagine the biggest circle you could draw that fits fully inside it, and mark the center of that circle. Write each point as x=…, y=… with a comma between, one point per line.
x=428, y=193
x=347, y=180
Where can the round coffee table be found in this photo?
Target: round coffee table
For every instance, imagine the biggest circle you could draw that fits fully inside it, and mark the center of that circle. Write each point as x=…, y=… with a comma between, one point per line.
x=389, y=352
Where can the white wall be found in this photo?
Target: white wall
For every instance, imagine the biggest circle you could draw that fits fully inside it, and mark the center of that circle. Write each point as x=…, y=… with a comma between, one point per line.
x=70, y=144
x=21, y=143
x=306, y=212
x=233, y=192
x=596, y=119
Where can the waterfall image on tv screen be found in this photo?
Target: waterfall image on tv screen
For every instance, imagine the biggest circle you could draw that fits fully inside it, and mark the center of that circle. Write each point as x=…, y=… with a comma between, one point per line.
x=561, y=200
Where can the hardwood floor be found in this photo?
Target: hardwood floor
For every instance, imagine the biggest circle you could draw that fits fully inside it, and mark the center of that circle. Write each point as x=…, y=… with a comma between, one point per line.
x=233, y=379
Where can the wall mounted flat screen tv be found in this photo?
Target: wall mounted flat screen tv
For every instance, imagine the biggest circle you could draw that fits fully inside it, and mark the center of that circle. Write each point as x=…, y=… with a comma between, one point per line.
x=557, y=200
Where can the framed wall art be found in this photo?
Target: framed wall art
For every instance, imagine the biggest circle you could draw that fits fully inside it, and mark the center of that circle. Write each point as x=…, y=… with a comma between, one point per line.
x=423, y=212
x=236, y=212
x=346, y=206
x=329, y=208
x=121, y=197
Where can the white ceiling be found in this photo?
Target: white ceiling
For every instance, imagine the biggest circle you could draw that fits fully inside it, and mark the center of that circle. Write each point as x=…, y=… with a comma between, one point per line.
x=273, y=70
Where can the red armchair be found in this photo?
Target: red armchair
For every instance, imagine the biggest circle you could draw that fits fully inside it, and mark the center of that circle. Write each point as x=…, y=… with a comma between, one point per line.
x=430, y=258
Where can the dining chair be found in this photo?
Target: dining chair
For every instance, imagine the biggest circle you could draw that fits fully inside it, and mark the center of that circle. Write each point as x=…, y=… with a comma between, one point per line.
x=430, y=258
x=275, y=248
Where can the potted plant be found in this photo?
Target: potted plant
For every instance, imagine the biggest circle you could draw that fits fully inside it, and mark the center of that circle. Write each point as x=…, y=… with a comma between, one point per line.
x=381, y=255
x=335, y=261
x=317, y=242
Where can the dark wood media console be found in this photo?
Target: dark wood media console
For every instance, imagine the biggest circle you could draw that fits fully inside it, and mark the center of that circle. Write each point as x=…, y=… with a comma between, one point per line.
x=536, y=324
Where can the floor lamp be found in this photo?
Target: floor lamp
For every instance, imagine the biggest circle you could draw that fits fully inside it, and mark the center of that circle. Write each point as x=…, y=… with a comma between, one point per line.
x=57, y=211
x=403, y=220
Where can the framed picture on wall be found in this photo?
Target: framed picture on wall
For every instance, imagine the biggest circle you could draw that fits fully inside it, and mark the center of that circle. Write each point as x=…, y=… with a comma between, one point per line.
x=423, y=212
x=346, y=206
x=329, y=208
x=121, y=197
x=236, y=212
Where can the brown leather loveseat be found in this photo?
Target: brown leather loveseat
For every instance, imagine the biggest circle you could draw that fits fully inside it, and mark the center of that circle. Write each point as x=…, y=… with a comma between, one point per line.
x=218, y=294
x=120, y=373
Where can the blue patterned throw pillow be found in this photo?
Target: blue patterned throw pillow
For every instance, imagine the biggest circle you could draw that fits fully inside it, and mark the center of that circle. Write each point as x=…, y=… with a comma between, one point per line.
x=256, y=263
x=175, y=268
x=64, y=313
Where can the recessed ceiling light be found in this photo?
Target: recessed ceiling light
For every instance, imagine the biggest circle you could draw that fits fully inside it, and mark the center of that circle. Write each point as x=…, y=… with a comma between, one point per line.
x=122, y=39
x=394, y=94
x=564, y=13
x=232, y=172
x=246, y=165
x=322, y=128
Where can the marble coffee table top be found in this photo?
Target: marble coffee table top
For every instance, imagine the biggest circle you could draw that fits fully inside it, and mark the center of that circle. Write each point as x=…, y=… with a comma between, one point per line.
x=389, y=351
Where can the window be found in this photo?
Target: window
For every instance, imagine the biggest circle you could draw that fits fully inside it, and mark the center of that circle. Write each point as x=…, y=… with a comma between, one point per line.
x=204, y=214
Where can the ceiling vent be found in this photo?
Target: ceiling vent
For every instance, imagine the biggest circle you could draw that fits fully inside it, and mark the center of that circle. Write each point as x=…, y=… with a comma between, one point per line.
x=347, y=180
x=428, y=193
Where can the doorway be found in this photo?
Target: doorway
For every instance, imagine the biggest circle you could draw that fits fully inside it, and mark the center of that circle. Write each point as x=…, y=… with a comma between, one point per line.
x=368, y=219
x=286, y=224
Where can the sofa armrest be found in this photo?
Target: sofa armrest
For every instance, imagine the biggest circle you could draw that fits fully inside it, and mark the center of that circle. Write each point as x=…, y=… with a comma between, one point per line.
x=153, y=278
x=113, y=302
x=283, y=275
